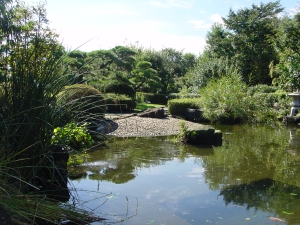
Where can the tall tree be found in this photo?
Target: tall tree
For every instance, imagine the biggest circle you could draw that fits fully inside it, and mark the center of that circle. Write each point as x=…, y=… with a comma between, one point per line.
x=286, y=73
x=252, y=33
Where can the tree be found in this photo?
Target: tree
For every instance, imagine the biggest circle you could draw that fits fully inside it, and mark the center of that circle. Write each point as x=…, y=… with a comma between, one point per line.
x=286, y=73
x=252, y=32
x=144, y=75
x=219, y=41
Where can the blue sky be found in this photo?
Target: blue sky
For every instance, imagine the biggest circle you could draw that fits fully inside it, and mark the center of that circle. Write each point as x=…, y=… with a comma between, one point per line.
x=179, y=24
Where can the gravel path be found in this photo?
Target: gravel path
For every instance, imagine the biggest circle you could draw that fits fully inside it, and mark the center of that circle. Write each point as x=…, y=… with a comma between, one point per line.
x=140, y=126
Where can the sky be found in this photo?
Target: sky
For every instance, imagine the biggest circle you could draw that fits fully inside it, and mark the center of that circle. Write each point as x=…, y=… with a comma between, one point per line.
x=90, y=25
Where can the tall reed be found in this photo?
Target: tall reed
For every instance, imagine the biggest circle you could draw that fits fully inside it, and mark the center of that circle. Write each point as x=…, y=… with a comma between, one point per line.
x=32, y=74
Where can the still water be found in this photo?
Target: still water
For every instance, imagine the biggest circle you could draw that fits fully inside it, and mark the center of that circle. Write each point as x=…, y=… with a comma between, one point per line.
x=253, y=178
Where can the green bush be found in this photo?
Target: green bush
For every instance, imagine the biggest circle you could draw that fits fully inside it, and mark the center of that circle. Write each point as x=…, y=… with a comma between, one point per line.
x=119, y=88
x=142, y=97
x=261, y=88
x=225, y=100
x=72, y=136
x=82, y=102
x=181, y=95
x=118, y=102
x=179, y=106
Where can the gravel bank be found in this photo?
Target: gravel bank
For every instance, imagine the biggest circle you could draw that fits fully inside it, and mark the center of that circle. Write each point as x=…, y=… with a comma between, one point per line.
x=135, y=126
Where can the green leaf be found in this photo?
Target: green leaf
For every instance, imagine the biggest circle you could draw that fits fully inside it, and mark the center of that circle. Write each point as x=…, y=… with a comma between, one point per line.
x=288, y=213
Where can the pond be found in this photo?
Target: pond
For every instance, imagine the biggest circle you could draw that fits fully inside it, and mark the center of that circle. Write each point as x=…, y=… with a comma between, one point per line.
x=253, y=178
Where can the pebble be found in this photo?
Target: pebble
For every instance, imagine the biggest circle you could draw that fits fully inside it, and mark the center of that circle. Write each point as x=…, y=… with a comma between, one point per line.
x=136, y=126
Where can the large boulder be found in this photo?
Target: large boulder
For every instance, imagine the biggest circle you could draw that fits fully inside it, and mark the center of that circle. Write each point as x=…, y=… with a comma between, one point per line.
x=204, y=135
x=153, y=113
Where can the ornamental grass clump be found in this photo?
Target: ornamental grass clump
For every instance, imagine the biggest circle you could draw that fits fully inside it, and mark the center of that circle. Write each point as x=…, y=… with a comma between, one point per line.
x=32, y=74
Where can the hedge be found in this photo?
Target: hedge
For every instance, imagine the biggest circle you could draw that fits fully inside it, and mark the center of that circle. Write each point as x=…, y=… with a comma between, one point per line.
x=153, y=98
x=116, y=102
x=179, y=106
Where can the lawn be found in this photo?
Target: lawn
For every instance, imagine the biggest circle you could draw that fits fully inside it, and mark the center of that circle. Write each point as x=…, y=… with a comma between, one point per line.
x=143, y=106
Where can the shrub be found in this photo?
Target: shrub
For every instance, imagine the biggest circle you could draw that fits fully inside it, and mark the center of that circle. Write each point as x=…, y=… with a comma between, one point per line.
x=118, y=102
x=224, y=100
x=261, y=88
x=72, y=136
x=179, y=106
x=142, y=97
x=82, y=102
x=119, y=88
x=183, y=95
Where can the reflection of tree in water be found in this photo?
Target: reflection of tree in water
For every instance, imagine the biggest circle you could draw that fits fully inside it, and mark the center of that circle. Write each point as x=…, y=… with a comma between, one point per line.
x=252, y=153
x=266, y=195
x=124, y=156
x=119, y=161
x=122, y=172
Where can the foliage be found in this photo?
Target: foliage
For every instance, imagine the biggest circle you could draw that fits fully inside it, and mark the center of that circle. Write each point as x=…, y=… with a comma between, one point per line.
x=224, y=100
x=246, y=39
x=183, y=132
x=184, y=94
x=144, y=75
x=142, y=97
x=254, y=32
x=119, y=88
x=261, y=88
x=286, y=73
x=144, y=106
x=81, y=102
x=118, y=102
x=178, y=106
x=72, y=136
x=32, y=73
x=206, y=68
x=169, y=64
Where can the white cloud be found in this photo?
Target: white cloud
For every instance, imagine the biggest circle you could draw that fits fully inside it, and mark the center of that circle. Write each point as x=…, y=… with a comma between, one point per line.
x=172, y=3
x=216, y=18
x=200, y=24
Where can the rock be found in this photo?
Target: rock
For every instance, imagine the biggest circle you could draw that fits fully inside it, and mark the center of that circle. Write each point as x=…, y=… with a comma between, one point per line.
x=153, y=113
x=204, y=135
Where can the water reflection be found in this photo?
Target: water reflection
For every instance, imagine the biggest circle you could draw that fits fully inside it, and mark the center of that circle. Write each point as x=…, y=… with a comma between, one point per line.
x=266, y=195
x=257, y=168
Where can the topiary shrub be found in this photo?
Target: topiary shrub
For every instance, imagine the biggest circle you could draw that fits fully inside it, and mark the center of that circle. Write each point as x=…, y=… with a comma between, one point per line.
x=178, y=106
x=119, y=103
x=119, y=88
x=81, y=101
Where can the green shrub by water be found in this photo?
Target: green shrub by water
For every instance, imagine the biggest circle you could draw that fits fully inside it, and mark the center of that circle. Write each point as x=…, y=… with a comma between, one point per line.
x=225, y=100
x=178, y=106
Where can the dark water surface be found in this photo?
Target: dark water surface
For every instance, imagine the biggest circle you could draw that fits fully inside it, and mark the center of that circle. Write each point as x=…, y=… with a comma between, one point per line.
x=253, y=178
